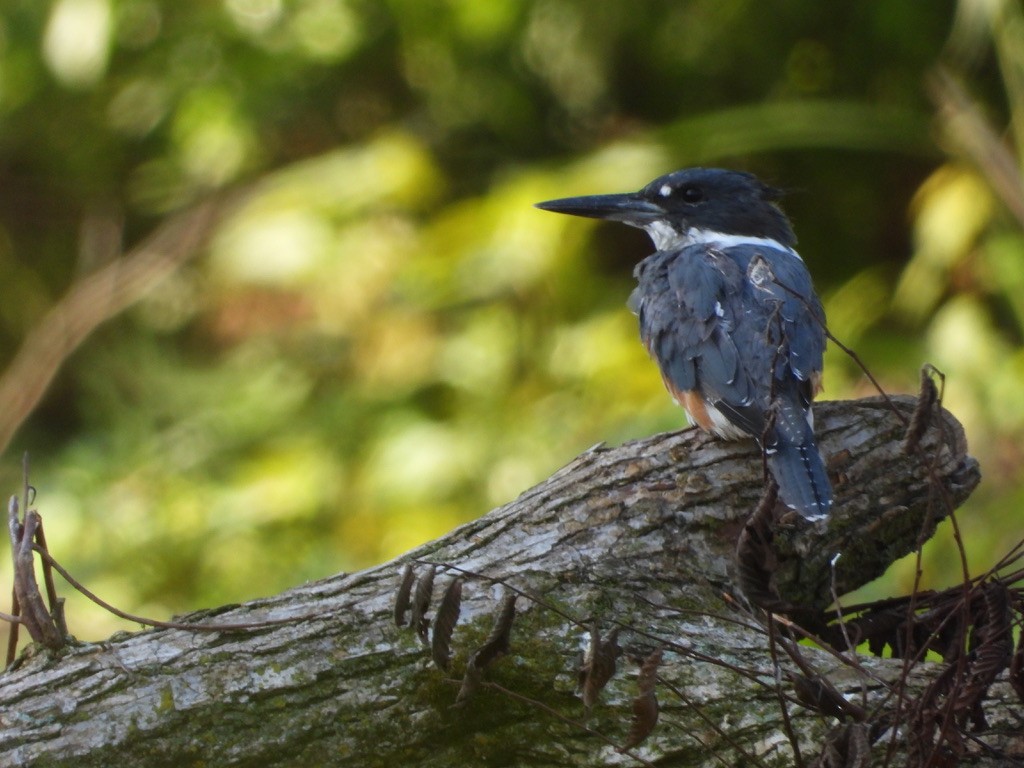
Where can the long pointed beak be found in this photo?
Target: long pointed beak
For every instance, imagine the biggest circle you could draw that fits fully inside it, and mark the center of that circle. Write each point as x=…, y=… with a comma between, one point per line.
x=629, y=208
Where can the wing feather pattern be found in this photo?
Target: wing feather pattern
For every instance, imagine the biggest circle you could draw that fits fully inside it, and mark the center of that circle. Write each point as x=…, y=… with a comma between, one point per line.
x=742, y=326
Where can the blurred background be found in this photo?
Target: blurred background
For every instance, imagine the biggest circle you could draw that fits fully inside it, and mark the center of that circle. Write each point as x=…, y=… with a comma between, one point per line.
x=276, y=304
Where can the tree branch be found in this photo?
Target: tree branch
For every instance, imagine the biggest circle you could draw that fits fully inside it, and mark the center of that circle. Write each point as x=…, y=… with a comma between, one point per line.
x=641, y=536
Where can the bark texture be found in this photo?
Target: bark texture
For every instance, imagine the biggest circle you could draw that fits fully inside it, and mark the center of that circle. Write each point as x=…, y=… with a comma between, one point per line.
x=640, y=537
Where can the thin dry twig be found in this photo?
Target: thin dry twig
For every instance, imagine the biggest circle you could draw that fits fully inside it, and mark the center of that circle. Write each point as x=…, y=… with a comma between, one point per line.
x=35, y=617
x=191, y=626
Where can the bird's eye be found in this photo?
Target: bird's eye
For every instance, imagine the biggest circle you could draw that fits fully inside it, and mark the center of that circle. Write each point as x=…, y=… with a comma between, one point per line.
x=692, y=194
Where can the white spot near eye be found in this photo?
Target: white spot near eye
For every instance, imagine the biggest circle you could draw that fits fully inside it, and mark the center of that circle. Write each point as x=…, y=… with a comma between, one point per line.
x=718, y=309
x=665, y=190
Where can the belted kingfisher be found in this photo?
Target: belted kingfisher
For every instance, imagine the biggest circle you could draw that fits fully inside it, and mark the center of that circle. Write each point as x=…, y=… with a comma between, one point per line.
x=728, y=312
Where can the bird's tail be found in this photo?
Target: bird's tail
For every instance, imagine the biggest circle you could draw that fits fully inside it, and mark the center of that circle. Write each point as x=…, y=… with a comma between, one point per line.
x=796, y=463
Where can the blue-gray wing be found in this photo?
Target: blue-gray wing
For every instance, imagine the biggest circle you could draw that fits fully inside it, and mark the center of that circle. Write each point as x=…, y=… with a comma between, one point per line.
x=780, y=284
x=741, y=329
x=736, y=324
x=677, y=303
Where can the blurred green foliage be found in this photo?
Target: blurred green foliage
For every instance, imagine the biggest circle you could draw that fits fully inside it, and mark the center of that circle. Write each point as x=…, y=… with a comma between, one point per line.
x=386, y=339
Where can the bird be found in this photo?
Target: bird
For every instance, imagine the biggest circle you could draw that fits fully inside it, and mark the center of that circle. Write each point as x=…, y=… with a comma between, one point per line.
x=727, y=310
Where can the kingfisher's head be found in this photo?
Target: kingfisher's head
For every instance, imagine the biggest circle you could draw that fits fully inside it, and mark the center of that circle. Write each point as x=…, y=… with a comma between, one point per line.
x=692, y=205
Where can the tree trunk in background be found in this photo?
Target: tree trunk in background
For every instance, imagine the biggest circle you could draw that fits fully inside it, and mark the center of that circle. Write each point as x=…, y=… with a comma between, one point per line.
x=641, y=536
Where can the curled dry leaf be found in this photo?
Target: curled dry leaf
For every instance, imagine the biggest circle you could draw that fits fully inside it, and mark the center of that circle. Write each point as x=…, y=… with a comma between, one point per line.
x=421, y=603
x=599, y=664
x=957, y=693
x=444, y=624
x=755, y=555
x=926, y=412
x=645, y=705
x=993, y=651
x=404, y=594
x=496, y=645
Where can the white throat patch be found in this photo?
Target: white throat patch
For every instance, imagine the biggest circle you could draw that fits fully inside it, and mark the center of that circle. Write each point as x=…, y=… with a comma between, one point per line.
x=665, y=236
